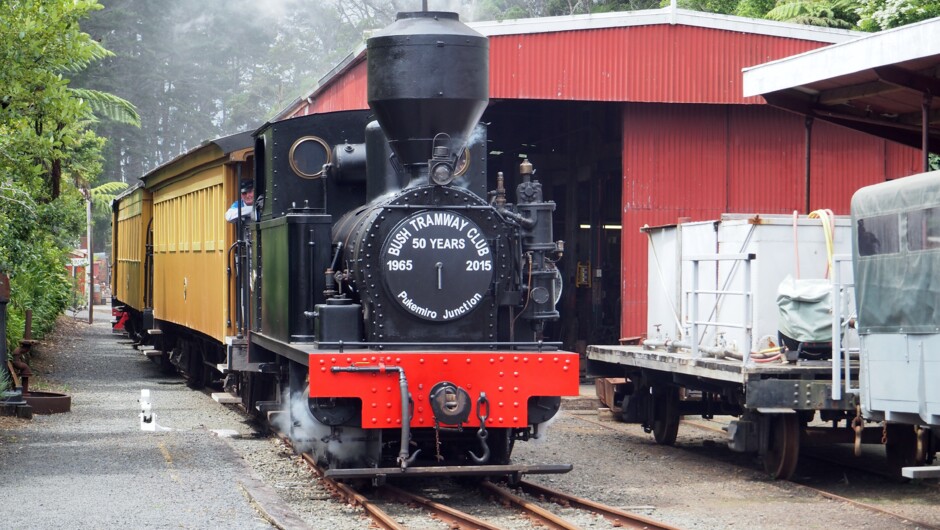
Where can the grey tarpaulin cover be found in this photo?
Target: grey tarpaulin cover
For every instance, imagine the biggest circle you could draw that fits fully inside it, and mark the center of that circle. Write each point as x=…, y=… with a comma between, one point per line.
x=804, y=309
x=898, y=288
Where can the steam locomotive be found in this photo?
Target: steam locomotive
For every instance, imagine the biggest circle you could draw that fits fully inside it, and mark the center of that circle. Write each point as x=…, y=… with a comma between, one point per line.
x=380, y=299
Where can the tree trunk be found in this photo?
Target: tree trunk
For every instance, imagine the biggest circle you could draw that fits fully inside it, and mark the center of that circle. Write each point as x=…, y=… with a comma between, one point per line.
x=55, y=177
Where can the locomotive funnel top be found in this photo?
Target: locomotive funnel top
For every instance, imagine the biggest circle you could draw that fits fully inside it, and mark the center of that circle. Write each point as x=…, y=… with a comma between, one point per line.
x=428, y=77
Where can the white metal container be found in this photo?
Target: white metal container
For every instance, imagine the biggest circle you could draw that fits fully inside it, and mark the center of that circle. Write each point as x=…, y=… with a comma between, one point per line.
x=779, y=249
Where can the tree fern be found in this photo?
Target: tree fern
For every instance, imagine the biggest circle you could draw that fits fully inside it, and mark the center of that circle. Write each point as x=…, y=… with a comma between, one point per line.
x=103, y=104
x=824, y=13
x=101, y=196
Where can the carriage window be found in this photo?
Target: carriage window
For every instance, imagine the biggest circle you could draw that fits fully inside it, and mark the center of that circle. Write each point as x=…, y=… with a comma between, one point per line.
x=923, y=229
x=878, y=235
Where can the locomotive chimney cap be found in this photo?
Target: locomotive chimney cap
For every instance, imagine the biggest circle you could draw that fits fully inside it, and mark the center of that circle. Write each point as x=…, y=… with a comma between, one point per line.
x=428, y=73
x=427, y=14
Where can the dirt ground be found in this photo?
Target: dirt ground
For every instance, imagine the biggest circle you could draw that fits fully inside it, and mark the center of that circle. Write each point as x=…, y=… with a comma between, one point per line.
x=696, y=484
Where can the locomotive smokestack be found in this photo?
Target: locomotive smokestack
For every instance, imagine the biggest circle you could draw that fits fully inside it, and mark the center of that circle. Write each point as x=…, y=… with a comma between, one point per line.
x=428, y=77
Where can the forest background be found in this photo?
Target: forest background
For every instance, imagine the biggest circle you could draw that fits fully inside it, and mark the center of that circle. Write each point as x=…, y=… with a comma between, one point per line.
x=95, y=93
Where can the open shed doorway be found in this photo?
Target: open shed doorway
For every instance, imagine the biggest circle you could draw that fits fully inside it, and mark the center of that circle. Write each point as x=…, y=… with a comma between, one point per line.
x=576, y=149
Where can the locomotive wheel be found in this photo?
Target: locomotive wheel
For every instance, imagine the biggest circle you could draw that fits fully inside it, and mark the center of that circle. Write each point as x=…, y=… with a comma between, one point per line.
x=927, y=443
x=901, y=447
x=500, y=442
x=132, y=333
x=665, y=414
x=784, y=450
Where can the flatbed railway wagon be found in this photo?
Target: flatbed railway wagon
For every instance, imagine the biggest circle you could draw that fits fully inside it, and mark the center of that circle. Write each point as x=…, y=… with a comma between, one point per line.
x=744, y=314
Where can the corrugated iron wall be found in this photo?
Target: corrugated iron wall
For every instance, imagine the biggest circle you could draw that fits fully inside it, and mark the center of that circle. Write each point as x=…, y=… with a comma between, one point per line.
x=658, y=63
x=700, y=161
x=346, y=92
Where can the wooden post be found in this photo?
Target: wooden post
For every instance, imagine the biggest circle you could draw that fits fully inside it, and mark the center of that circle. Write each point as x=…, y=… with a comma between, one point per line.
x=5, y=373
x=90, y=275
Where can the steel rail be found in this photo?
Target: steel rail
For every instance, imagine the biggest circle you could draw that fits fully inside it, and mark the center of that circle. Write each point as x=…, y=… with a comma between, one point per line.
x=531, y=509
x=620, y=518
x=832, y=496
x=865, y=506
x=379, y=516
x=456, y=519
x=463, y=521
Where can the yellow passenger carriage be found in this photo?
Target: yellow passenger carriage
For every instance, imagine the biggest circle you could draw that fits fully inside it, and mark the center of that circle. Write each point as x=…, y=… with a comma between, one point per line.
x=130, y=222
x=179, y=268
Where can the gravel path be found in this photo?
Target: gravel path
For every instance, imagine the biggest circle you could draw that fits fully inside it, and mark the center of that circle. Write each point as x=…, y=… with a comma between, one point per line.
x=94, y=468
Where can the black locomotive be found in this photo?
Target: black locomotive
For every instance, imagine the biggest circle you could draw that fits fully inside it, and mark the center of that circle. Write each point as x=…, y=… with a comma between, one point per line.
x=387, y=291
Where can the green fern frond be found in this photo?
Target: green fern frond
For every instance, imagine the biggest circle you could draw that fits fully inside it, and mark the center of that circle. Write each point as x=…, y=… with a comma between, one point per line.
x=104, y=194
x=108, y=106
x=91, y=51
x=823, y=13
x=109, y=188
x=788, y=11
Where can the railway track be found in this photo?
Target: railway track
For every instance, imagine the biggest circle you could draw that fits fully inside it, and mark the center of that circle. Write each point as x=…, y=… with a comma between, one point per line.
x=619, y=518
x=491, y=492
x=523, y=504
x=487, y=492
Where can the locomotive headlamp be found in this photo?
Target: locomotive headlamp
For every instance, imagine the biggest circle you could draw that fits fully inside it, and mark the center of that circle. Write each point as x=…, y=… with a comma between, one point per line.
x=442, y=173
x=441, y=167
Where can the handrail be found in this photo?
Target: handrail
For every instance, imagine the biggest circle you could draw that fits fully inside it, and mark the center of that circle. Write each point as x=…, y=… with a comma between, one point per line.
x=840, y=356
x=745, y=292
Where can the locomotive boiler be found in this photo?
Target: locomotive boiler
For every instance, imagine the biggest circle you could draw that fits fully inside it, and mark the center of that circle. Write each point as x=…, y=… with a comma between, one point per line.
x=394, y=309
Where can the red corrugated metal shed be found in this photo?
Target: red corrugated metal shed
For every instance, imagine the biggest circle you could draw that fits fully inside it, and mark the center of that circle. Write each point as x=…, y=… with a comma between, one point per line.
x=345, y=92
x=693, y=146
x=660, y=63
x=667, y=56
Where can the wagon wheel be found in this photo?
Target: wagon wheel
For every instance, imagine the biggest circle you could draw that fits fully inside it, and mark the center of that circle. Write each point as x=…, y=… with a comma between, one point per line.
x=900, y=447
x=165, y=363
x=665, y=414
x=195, y=369
x=784, y=446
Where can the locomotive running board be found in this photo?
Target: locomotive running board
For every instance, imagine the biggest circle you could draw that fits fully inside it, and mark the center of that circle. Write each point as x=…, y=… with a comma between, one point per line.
x=427, y=471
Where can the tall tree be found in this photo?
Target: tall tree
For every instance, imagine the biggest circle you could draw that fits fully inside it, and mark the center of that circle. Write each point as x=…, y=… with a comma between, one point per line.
x=877, y=15
x=40, y=43
x=47, y=148
x=198, y=71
